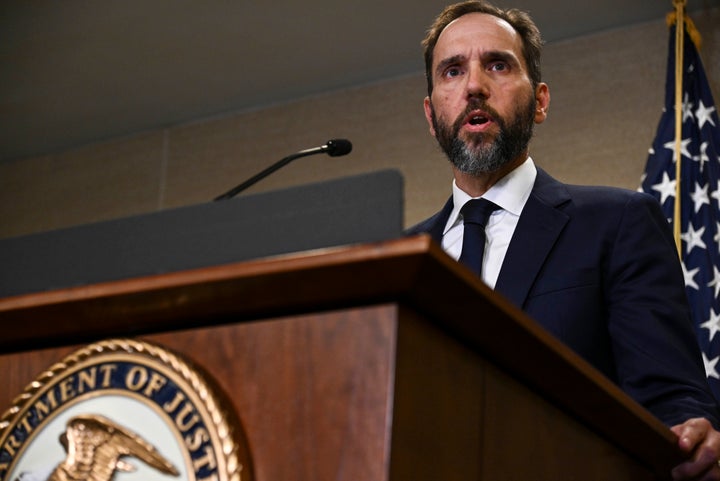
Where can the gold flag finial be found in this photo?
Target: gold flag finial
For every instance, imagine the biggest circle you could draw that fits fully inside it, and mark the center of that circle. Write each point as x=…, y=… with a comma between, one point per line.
x=671, y=18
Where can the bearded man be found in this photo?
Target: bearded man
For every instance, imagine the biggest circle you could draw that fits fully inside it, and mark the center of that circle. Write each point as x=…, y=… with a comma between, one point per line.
x=595, y=266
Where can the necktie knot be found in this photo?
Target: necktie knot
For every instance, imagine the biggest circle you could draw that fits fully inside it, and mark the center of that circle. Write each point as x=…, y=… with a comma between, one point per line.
x=477, y=211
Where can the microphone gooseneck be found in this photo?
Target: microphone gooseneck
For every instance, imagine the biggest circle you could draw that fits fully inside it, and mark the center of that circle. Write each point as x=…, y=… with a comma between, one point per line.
x=334, y=148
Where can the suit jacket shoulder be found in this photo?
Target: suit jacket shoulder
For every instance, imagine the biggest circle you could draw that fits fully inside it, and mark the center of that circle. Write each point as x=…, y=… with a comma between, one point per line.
x=435, y=224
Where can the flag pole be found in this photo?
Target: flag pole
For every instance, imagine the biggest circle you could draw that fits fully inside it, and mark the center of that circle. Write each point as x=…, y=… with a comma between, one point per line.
x=679, y=46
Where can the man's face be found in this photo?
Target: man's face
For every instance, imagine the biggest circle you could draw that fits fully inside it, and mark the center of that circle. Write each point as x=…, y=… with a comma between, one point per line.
x=483, y=105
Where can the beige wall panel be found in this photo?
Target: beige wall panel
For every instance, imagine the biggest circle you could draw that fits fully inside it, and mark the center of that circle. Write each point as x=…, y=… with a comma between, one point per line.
x=604, y=107
x=23, y=199
x=93, y=183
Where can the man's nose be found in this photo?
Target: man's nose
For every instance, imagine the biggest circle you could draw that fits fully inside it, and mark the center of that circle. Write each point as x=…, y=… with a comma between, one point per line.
x=477, y=82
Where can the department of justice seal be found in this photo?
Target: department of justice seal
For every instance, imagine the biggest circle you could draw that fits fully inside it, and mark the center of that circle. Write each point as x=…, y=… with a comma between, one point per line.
x=126, y=410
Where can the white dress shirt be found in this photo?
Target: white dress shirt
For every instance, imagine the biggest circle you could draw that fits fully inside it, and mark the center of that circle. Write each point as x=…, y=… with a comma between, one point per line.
x=510, y=193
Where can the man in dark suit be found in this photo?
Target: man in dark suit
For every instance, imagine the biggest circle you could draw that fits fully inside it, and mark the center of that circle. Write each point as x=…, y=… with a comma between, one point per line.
x=596, y=266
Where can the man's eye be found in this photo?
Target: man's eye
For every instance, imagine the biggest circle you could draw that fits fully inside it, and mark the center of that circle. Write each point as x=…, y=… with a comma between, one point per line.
x=498, y=66
x=453, y=72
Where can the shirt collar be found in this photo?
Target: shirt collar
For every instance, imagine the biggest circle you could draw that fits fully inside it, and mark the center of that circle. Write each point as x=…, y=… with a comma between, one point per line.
x=510, y=193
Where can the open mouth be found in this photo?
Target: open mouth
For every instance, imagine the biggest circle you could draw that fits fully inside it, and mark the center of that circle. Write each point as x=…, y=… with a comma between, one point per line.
x=478, y=120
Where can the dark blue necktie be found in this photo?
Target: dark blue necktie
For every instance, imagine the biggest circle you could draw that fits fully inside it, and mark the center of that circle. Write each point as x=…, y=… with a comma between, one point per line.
x=476, y=213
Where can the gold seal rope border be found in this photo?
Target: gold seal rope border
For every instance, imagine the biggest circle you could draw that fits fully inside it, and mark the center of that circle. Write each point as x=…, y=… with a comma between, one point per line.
x=131, y=346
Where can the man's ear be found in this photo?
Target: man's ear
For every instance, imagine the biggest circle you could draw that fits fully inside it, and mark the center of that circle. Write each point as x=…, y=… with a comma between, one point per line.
x=542, y=98
x=428, y=115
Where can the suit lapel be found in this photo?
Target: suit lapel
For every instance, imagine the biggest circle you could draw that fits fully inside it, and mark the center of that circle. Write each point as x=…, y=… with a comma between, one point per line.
x=539, y=226
x=437, y=223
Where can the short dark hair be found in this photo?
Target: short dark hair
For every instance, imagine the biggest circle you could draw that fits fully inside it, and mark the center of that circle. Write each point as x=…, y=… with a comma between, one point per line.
x=519, y=20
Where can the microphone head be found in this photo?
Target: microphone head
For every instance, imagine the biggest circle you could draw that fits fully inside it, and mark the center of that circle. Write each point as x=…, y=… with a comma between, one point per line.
x=338, y=147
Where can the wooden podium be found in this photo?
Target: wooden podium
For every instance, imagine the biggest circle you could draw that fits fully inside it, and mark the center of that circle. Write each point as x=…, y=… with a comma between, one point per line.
x=384, y=361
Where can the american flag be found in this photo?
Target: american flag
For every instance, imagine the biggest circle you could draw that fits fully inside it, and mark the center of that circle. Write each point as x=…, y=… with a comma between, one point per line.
x=699, y=195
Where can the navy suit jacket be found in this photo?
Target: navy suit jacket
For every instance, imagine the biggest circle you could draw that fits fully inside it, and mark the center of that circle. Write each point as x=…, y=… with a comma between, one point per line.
x=598, y=268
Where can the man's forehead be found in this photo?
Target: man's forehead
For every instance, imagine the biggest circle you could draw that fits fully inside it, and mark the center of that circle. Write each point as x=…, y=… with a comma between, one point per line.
x=479, y=24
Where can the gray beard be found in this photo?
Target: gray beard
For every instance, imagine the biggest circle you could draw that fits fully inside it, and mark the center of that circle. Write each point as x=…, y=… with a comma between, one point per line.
x=511, y=141
x=487, y=158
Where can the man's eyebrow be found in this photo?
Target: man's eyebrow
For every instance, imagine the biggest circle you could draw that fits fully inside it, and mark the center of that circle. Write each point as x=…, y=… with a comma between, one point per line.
x=503, y=55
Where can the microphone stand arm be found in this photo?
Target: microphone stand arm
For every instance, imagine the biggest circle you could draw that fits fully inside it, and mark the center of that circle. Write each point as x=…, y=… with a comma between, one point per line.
x=261, y=175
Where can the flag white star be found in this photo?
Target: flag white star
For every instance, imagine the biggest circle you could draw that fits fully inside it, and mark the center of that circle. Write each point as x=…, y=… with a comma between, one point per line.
x=693, y=239
x=716, y=237
x=687, y=108
x=715, y=194
x=712, y=324
x=704, y=114
x=703, y=157
x=710, y=369
x=716, y=281
x=690, y=276
x=666, y=188
x=700, y=197
x=683, y=148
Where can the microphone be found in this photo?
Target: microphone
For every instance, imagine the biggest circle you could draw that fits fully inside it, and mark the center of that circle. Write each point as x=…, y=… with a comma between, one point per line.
x=334, y=148
x=337, y=147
